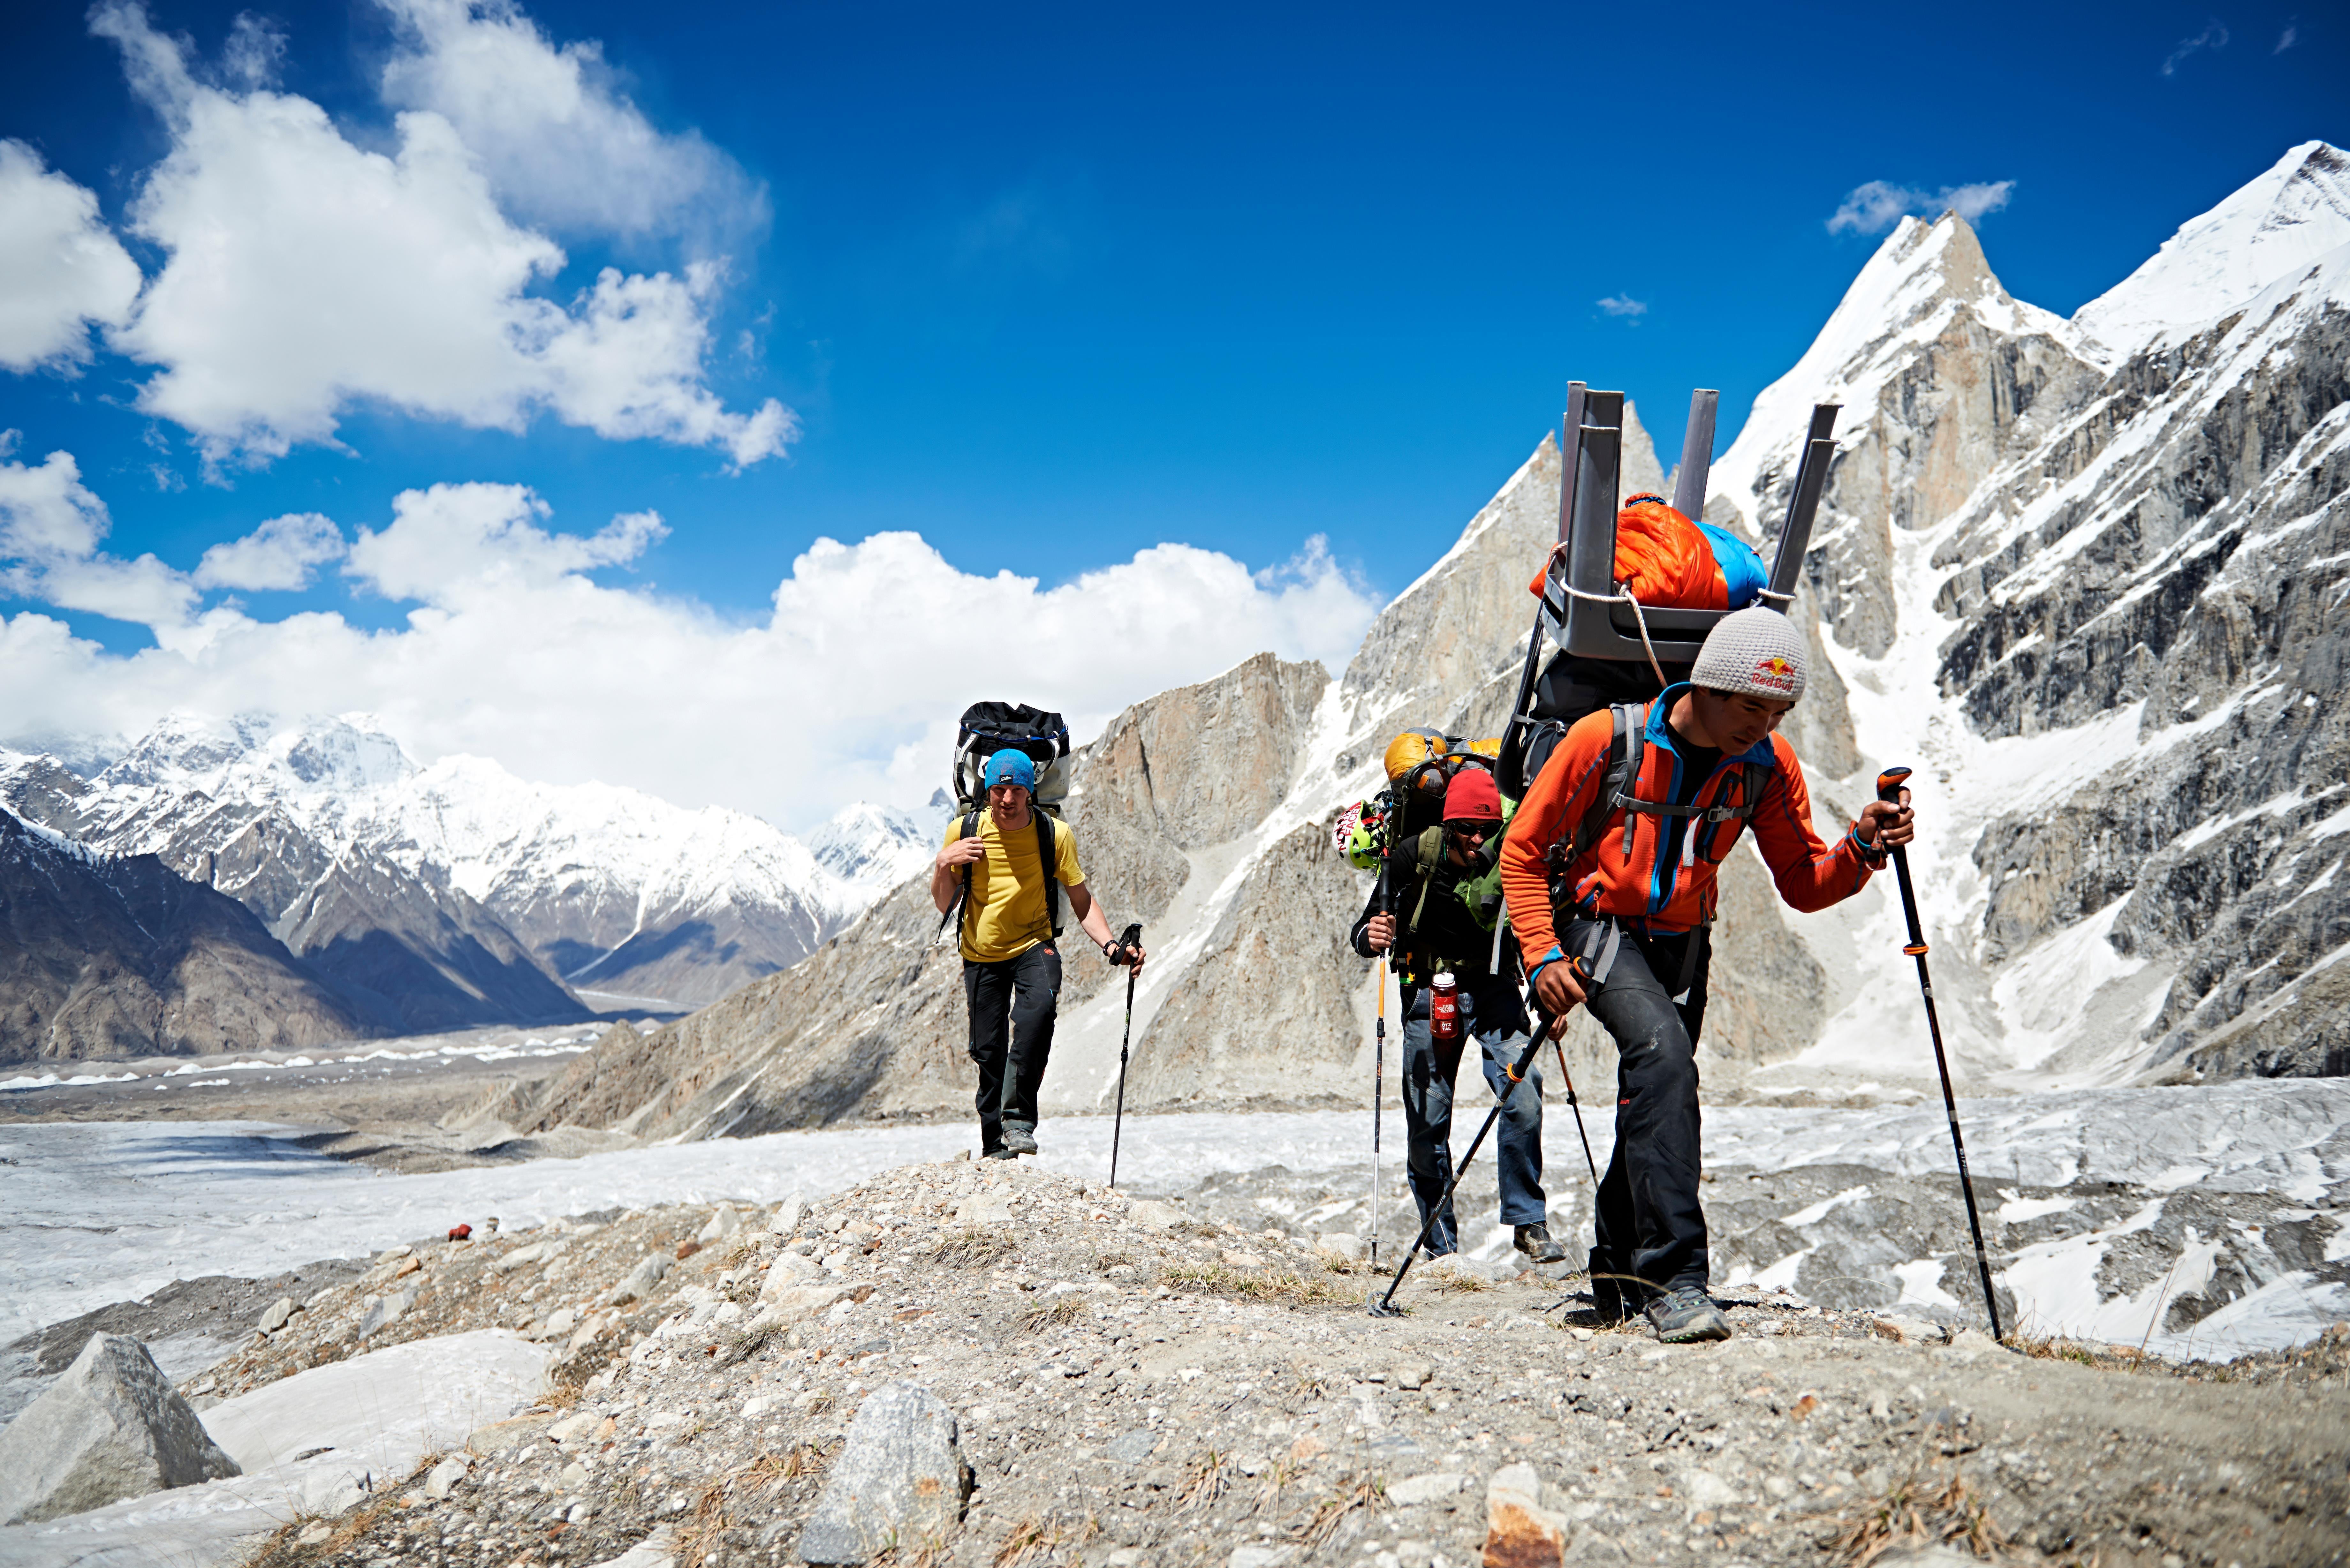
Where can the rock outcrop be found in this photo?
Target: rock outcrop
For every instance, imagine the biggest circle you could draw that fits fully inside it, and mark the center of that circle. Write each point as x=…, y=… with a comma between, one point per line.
x=111, y=1428
x=899, y=1478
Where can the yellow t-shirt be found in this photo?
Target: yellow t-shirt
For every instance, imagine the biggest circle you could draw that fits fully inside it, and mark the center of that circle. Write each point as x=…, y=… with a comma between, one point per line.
x=1006, y=916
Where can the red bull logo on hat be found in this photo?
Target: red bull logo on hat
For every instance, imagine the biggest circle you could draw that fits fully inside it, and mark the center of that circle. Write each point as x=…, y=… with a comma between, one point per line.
x=1776, y=673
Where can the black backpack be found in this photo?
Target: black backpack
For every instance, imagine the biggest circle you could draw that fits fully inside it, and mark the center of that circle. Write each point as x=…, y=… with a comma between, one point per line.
x=986, y=729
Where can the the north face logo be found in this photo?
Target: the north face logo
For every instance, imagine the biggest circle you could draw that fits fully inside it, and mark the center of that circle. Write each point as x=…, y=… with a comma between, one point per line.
x=1774, y=672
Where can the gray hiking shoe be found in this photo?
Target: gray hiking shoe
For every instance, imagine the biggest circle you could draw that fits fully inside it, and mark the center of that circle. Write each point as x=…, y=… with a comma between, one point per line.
x=1019, y=1138
x=1535, y=1241
x=1685, y=1314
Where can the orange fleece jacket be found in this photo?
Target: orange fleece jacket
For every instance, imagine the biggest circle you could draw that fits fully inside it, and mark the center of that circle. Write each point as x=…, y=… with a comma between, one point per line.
x=1679, y=893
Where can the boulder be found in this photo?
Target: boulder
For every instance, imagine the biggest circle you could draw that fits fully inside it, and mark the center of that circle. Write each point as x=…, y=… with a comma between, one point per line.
x=275, y=1317
x=899, y=1478
x=642, y=1279
x=111, y=1428
x=1519, y=1532
x=787, y=1216
x=385, y=1310
x=723, y=1222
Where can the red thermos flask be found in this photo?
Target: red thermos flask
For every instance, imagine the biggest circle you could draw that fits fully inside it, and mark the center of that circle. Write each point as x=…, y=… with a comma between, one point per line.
x=1444, y=1008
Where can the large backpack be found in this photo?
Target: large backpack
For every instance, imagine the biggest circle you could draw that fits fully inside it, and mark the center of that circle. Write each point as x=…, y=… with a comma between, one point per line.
x=986, y=729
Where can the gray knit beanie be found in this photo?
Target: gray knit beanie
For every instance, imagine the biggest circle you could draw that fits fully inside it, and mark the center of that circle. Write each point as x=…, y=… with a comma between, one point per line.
x=1757, y=651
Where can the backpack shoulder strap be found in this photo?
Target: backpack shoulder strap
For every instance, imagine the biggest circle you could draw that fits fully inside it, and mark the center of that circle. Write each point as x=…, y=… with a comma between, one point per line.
x=1427, y=850
x=1628, y=782
x=1611, y=781
x=1047, y=861
x=954, y=911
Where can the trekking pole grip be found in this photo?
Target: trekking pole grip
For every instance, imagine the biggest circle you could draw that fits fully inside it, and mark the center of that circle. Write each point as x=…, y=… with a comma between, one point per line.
x=1888, y=785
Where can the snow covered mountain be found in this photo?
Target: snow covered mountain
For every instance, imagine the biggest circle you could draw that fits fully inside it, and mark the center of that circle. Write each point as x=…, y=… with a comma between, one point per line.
x=2086, y=582
x=875, y=847
x=458, y=893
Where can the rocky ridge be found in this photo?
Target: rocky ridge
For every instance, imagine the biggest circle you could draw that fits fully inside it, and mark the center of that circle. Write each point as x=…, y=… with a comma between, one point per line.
x=1137, y=1383
x=118, y=956
x=2080, y=572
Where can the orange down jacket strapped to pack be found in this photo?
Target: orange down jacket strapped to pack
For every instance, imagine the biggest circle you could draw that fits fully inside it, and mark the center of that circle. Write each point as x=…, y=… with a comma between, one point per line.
x=1679, y=893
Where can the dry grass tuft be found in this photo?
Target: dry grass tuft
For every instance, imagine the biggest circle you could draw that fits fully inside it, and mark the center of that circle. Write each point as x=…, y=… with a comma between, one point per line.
x=1205, y=1482
x=1353, y=1496
x=1031, y=1539
x=746, y=1342
x=1951, y=1515
x=1055, y=1313
x=973, y=1247
x=1452, y=1281
x=1257, y=1284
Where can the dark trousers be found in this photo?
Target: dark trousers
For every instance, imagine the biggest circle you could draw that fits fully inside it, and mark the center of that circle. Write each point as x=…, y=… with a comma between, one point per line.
x=1491, y=1013
x=1650, y=1228
x=1027, y=989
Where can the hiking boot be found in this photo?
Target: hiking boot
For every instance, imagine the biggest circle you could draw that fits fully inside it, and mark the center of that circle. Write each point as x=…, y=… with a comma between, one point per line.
x=1685, y=1314
x=997, y=1154
x=1535, y=1241
x=1019, y=1138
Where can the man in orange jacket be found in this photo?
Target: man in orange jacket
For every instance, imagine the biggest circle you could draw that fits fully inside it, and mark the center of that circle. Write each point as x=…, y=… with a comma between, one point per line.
x=1611, y=893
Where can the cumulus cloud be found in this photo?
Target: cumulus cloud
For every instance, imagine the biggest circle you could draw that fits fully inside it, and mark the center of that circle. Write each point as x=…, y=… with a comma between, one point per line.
x=305, y=273
x=2212, y=36
x=60, y=267
x=1876, y=206
x=50, y=527
x=513, y=649
x=563, y=145
x=279, y=555
x=1624, y=306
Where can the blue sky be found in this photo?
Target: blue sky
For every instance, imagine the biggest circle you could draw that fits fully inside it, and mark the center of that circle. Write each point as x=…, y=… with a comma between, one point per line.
x=1056, y=286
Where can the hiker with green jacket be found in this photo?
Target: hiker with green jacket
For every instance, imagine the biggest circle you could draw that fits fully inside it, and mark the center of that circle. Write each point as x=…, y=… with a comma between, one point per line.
x=1432, y=929
x=1011, y=960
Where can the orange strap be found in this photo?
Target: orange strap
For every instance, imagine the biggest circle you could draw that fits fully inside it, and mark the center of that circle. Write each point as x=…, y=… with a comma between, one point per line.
x=1916, y=951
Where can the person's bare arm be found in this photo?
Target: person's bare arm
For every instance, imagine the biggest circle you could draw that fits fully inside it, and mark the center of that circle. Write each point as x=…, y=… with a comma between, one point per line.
x=946, y=871
x=1095, y=923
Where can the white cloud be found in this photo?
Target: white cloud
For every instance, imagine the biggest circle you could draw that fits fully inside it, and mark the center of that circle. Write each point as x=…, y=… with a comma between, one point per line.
x=2212, y=36
x=2286, y=39
x=1876, y=206
x=60, y=267
x=278, y=555
x=562, y=144
x=453, y=543
x=305, y=273
x=1624, y=305
x=50, y=527
x=513, y=652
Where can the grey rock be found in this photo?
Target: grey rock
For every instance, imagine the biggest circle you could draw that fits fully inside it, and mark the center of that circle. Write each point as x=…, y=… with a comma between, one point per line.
x=111, y=1428
x=900, y=1478
x=276, y=1316
x=385, y=1310
x=649, y=1272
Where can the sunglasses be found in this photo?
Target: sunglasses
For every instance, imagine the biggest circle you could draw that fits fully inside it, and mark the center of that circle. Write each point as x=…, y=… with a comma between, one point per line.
x=1477, y=829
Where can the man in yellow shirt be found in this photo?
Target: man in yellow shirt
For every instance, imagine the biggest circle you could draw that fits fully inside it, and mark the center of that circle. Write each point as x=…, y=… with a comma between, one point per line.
x=1010, y=959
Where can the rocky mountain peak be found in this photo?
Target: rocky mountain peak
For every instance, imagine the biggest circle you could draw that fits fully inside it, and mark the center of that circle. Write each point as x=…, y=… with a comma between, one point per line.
x=2275, y=226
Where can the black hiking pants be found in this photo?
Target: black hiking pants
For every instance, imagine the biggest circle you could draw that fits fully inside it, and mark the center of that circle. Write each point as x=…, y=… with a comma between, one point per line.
x=1650, y=1228
x=1025, y=991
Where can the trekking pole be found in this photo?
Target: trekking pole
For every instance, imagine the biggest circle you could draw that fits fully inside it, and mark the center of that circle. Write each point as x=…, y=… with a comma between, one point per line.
x=1577, y=1106
x=1378, y=1093
x=1127, y=944
x=1384, y=1306
x=1888, y=788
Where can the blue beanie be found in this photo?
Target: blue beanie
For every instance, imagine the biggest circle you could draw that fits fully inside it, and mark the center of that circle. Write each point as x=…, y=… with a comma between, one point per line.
x=1010, y=766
